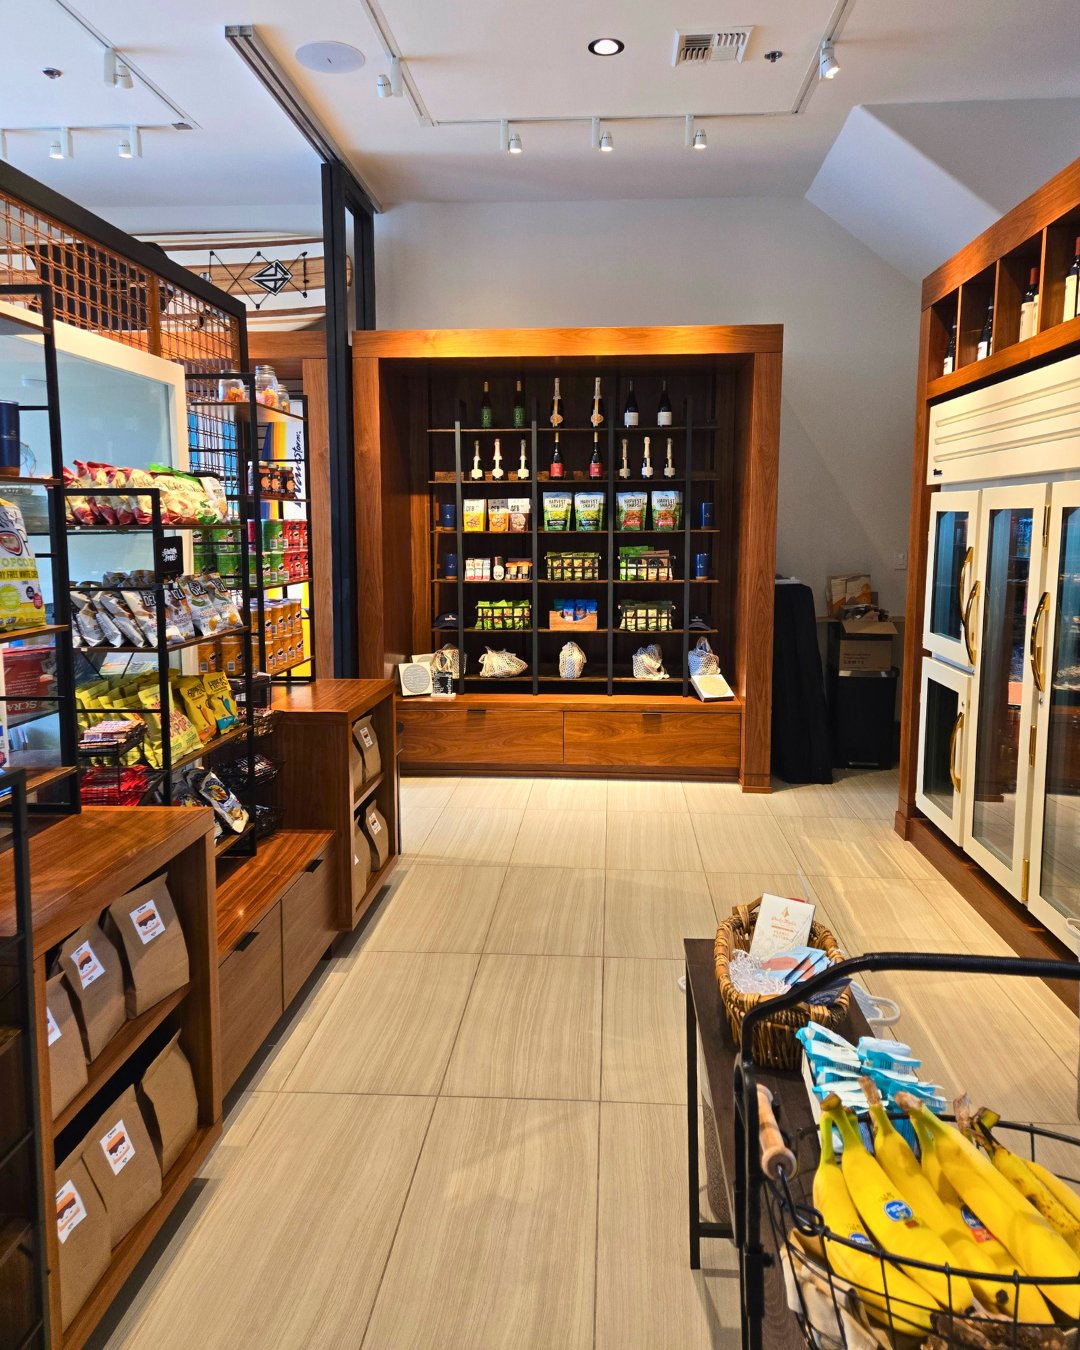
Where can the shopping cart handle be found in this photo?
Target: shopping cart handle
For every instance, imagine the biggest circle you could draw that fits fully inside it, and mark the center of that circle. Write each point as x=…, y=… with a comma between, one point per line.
x=776, y=1157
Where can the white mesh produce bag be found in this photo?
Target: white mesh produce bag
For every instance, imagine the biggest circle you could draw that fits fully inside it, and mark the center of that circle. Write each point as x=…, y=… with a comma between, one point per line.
x=500, y=665
x=702, y=660
x=571, y=661
x=648, y=663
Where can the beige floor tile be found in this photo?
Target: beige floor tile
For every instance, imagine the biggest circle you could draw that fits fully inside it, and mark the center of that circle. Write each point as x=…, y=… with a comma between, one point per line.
x=973, y=933
x=394, y=1029
x=844, y=848
x=549, y=911
x=239, y=1129
x=320, y=1189
x=438, y=909
x=568, y=794
x=868, y=914
x=416, y=824
x=430, y=791
x=873, y=792
x=747, y=844
x=497, y=1245
x=725, y=799
x=810, y=799
x=298, y=1031
x=649, y=913
x=473, y=836
x=531, y=1029
x=478, y=794
x=730, y=889
x=644, y=1032
x=646, y=1294
x=560, y=839
x=651, y=841
x=640, y=794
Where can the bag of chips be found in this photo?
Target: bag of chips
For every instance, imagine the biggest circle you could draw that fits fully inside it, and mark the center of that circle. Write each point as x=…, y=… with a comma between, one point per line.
x=177, y=610
x=108, y=603
x=630, y=508
x=222, y=701
x=204, y=613
x=214, y=793
x=556, y=511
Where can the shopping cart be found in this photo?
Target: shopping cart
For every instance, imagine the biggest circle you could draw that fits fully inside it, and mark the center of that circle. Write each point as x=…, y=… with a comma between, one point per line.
x=775, y=1173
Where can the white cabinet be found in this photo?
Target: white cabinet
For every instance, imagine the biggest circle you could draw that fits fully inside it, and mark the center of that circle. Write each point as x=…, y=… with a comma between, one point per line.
x=941, y=791
x=952, y=588
x=1019, y=428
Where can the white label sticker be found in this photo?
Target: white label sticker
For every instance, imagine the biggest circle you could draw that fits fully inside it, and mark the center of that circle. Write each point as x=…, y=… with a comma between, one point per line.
x=70, y=1210
x=54, y=1030
x=117, y=1147
x=147, y=922
x=86, y=963
x=373, y=822
x=367, y=737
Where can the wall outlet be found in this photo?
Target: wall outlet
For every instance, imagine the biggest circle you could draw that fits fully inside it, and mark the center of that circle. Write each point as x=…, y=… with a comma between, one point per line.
x=899, y=561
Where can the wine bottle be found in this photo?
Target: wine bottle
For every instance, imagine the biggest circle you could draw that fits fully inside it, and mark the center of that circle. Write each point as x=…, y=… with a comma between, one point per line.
x=646, y=463
x=523, y=468
x=598, y=410
x=476, y=471
x=487, y=412
x=497, y=468
x=669, y=463
x=949, y=364
x=663, y=411
x=556, y=406
x=1029, y=307
x=596, y=467
x=519, y=406
x=630, y=412
x=624, y=467
x=1071, y=309
x=557, y=467
x=986, y=337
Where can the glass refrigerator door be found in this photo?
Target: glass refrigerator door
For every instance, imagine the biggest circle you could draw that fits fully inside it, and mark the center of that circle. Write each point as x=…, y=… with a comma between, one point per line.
x=1010, y=573
x=1055, y=825
x=942, y=781
x=951, y=602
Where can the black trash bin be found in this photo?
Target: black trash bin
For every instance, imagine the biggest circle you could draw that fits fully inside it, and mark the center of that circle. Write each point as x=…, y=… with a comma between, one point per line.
x=862, y=710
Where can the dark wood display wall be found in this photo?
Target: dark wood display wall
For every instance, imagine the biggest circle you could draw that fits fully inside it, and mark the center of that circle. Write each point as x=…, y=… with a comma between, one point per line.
x=414, y=449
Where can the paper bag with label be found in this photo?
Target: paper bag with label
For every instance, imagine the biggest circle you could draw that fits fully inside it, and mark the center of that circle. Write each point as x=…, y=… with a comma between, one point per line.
x=781, y=924
x=361, y=872
x=172, y=1108
x=95, y=978
x=378, y=836
x=123, y=1165
x=82, y=1227
x=152, y=941
x=366, y=743
x=67, y=1060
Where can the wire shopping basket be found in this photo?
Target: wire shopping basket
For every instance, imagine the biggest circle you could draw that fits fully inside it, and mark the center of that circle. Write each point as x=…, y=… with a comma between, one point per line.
x=843, y=1291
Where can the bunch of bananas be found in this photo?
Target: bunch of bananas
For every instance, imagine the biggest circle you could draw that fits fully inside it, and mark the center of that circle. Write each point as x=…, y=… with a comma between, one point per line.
x=967, y=1204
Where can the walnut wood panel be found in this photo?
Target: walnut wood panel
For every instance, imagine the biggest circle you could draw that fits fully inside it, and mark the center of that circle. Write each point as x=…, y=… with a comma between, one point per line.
x=653, y=739
x=479, y=735
x=251, y=998
x=706, y=340
x=344, y=700
x=1053, y=199
x=1052, y=344
x=369, y=506
x=308, y=922
x=420, y=538
x=287, y=352
x=691, y=705
x=396, y=417
x=322, y=586
x=251, y=886
x=192, y=887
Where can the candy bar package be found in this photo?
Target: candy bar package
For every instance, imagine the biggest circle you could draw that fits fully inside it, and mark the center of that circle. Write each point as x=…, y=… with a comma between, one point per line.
x=67, y=1059
x=95, y=977
x=170, y=1106
x=82, y=1230
x=123, y=1165
x=155, y=954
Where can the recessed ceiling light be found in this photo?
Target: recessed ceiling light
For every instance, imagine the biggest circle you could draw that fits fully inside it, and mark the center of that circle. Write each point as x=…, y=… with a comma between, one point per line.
x=330, y=58
x=606, y=46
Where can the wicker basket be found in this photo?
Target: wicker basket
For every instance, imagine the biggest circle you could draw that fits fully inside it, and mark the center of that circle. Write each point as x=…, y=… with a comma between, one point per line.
x=775, y=1046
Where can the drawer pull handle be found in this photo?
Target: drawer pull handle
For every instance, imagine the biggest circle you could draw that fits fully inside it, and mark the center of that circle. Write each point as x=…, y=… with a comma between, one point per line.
x=652, y=714
x=246, y=941
x=314, y=864
x=476, y=712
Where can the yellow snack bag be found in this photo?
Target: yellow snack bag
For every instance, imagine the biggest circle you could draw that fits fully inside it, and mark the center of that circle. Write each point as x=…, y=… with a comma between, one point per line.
x=222, y=702
x=196, y=703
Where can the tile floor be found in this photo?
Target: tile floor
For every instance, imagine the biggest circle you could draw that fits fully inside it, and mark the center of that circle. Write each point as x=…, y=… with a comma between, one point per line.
x=470, y=1133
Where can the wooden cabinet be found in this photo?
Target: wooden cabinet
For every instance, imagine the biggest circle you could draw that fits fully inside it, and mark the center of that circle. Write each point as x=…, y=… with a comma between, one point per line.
x=308, y=922
x=251, y=1001
x=659, y=740
x=482, y=736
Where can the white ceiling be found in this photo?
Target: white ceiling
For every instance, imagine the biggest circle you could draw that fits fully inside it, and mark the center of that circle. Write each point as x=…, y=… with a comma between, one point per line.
x=494, y=59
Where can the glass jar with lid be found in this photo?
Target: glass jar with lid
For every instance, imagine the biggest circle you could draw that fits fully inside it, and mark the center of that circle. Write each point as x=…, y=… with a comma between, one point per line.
x=266, y=386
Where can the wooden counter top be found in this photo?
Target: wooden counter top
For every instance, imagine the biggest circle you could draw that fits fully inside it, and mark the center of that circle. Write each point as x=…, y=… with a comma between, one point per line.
x=255, y=884
x=84, y=862
x=333, y=698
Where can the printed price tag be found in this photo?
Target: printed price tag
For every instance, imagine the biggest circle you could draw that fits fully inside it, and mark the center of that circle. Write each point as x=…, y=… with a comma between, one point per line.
x=86, y=963
x=373, y=822
x=54, y=1030
x=366, y=737
x=70, y=1210
x=117, y=1147
x=147, y=921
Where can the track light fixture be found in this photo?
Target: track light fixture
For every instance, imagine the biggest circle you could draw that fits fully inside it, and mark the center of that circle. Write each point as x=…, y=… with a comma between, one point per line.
x=117, y=74
x=395, y=77
x=700, y=141
x=130, y=146
x=382, y=85
x=60, y=147
x=828, y=66
x=693, y=137
x=514, y=146
x=606, y=143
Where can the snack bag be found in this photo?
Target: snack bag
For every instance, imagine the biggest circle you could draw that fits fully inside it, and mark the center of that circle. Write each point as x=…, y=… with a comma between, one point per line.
x=219, y=594
x=589, y=510
x=520, y=508
x=143, y=607
x=21, y=602
x=107, y=602
x=78, y=510
x=472, y=515
x=222, y=702
x=178, y=612
x=630, y=508
x=204, y=612
x=225, y=802
x=196, y=704
x=498, y=515
x=666, y=509
x=556, y=511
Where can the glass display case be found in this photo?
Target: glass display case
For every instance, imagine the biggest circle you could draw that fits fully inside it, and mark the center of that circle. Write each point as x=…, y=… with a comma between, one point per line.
x=952, y=588
x=941, y=791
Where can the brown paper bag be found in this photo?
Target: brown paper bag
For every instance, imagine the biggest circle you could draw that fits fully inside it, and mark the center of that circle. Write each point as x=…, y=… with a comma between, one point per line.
x=67, y=1059
x=95, y=978
x=361, y=872
x=367, y=743
x=82, y=1227
x=171, y=1106
x=123, y=1165
x=378, y=835
x=153, y=944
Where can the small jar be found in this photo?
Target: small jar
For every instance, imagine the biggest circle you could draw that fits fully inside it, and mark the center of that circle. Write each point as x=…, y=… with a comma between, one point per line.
x=232, y=391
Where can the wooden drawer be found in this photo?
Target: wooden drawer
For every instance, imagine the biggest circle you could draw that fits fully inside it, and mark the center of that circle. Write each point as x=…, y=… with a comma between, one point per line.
x=663, y=740
x=308, y=923
x=481, y=736
x=250, y=992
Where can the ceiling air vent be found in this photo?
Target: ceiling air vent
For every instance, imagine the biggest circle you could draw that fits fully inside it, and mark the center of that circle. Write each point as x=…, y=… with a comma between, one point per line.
x=695, y=49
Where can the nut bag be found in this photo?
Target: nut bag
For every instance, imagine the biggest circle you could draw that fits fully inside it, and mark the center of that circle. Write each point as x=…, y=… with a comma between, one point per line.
x=82, y=1227
x=367, y=744
x=123, y=1165
x=95, y=978
x=171, y=1108
x=378, y=836
x=149, y=934
x=361, y=870
x=67, y=1060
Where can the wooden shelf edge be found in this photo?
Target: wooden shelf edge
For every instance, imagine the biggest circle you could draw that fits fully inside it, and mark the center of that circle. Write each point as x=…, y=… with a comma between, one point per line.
x=21, y=634
x=368, y=789
x=126, y=1041
x=127, y=1255
x=1052, y=342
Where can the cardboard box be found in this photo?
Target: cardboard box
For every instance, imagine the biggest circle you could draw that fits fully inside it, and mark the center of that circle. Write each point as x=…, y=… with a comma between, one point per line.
x=866, y=645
